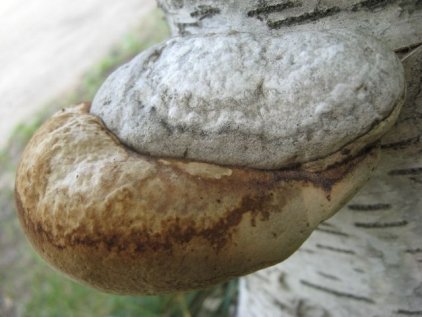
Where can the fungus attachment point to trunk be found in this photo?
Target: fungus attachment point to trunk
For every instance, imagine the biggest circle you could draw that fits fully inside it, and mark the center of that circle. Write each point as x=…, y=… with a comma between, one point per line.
x=207, y=157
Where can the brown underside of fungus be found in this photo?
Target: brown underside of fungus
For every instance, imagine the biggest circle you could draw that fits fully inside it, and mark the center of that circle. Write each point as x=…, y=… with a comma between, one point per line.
x=207, y=157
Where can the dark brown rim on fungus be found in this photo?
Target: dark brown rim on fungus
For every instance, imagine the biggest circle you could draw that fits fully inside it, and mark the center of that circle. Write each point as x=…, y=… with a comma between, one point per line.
x=133, y=224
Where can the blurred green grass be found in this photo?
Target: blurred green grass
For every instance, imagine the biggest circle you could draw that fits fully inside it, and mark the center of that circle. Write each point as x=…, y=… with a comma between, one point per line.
x=33, y=288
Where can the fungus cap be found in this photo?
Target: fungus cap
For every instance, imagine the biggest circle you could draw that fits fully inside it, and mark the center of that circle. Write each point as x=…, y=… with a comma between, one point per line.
x=252, y=100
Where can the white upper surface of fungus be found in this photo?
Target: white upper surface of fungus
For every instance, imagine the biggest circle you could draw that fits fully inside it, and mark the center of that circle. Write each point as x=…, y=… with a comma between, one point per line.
x=251, y=99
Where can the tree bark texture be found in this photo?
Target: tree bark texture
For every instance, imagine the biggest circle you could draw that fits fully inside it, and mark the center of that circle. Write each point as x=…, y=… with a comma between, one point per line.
x=367, y=259
x=397, y=22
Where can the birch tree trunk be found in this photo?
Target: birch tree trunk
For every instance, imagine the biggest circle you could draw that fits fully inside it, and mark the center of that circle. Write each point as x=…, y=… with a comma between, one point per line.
x=366, y=260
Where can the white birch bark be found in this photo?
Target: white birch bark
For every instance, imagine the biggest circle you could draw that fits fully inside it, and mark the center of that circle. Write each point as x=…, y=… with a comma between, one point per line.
x=366, y=260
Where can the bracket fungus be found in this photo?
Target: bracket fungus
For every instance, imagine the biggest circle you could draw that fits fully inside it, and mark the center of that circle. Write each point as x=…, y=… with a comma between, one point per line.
x=207, y=157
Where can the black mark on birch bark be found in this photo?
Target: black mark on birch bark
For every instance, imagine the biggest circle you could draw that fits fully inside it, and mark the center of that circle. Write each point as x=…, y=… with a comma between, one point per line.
x=335, y=249
x=381, y=225
x=372, y=4
x=282, y=281
x=334, y=232
x=338, y=293
x=329, y=276
x=316, y=14
x=267, y=9
x=304, y=18
x=205, y=12
x=369, y=207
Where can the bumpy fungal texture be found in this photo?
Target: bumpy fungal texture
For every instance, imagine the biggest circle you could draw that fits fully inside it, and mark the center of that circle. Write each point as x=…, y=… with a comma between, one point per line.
x=252, y=100
x=133, y=224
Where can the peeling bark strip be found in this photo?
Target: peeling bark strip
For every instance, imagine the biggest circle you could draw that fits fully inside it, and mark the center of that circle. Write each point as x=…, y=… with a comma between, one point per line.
x=337, y=293
x=370, y=207
x=304, y=18
x=334, y=249
x=381, y=225
x=266, y=9
x=407, y=171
